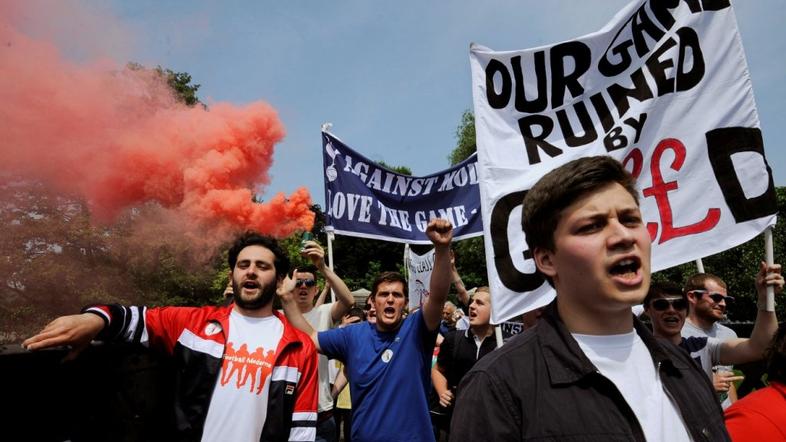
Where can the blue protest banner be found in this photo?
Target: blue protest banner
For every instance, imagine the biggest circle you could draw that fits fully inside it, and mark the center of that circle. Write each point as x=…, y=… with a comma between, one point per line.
x=367, y=200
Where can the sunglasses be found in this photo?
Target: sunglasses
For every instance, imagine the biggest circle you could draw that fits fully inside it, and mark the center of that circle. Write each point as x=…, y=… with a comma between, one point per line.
x=716, y=297
x=306, y=282
x=663, y=304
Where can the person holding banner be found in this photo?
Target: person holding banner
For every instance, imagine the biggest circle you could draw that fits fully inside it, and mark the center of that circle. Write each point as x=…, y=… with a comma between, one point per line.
x=708, y=298
x=388, y=363
x=589, y=370
x=667, y=305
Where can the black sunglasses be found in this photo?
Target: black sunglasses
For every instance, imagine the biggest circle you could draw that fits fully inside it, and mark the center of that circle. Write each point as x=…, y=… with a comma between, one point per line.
x=662, y=304
x=307, y=282
x=716, y=297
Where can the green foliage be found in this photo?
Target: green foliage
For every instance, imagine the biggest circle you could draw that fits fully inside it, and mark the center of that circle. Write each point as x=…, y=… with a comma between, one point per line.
x=465, y=136
x=180, y=82
x=404, y=170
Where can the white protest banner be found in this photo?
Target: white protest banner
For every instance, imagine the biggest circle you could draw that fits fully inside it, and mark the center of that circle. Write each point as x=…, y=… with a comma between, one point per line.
x=419, y=267
x=663, y=89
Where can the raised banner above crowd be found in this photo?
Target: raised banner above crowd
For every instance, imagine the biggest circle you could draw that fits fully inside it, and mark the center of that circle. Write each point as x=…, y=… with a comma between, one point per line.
x=664, y=90
x=367, y=200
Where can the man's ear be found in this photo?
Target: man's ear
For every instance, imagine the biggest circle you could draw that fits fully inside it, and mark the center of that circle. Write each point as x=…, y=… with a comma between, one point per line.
x=544, y=260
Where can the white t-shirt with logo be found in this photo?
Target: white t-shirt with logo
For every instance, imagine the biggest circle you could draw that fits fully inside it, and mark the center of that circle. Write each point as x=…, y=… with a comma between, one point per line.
x=320, y=320
x=625, y=360
x=238, y=407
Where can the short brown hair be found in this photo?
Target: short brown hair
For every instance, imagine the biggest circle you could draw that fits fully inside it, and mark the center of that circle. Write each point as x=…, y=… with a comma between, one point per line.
x=558, y=189
x=698, y=281
x=389, y=277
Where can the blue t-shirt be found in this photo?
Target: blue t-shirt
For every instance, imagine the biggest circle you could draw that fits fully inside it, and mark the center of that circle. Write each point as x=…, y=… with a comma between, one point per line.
x=389, y=375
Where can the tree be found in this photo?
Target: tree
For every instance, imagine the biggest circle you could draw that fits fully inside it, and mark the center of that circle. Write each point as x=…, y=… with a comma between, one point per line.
x=470, y=253
x=465, y=136
x=55, y=259
x=179, y=82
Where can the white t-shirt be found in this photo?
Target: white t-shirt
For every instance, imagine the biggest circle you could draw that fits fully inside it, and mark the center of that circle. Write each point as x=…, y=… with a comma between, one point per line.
x=320, y=320
x=719, y=332
x=238, y=407
x=626, y=362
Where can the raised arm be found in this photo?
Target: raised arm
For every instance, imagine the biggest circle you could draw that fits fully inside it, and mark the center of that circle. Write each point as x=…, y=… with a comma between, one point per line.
x=461, y=292
x=344, y=299
x=440, y=232
x=739, y=351
x=322, y=295
x=285, y=291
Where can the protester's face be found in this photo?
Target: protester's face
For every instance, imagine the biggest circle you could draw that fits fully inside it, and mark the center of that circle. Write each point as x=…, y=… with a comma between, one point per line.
x=254, y=277
x=480, y=309
x=371, y=312
x=447, y=313
x=601, y=259
x=306, y=289
x=668, y=315
x=389, y=303
x=703, y=304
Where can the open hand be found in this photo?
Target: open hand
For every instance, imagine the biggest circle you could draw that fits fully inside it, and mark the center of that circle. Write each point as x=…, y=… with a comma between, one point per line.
x=75, y=331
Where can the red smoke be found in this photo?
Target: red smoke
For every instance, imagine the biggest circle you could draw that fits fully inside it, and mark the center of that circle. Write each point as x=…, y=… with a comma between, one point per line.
x=118, y=138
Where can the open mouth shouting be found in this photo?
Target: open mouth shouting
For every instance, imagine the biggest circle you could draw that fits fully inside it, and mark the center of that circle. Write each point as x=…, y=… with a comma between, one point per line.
x=627, y=271
x=250, y=285
x=389, y=312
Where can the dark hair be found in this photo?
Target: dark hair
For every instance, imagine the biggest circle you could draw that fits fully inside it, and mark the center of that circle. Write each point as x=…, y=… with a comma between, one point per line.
x=281, y=261
x=698, y=281
x=308, y=268
x=559, y=188
x=776, y=356
x=358, y=312
x=661, y=289
x=389, y=277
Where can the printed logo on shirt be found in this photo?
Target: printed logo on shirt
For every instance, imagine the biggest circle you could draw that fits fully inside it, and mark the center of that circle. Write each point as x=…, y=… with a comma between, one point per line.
x=387, y=355
x=290, y=390
x=246, y=368
x=212, y=328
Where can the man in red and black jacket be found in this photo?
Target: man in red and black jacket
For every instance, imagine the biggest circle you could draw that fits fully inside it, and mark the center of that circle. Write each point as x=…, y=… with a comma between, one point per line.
x=244, y=373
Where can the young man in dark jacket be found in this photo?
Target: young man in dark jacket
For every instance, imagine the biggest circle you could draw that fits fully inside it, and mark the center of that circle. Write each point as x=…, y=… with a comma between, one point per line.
x=589, y=370
x=244, y=373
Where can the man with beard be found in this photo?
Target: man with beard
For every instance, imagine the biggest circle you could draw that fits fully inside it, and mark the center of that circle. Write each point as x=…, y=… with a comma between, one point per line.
x=708, y=298
x=388, y=363
x=666, y=305
x=278, y=401
x=321, y=318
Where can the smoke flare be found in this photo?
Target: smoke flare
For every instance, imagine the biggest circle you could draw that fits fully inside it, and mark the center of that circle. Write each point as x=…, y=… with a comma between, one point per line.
x=118, y=137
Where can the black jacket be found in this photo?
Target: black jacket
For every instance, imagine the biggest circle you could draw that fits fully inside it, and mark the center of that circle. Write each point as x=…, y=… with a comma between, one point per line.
x=541, y=386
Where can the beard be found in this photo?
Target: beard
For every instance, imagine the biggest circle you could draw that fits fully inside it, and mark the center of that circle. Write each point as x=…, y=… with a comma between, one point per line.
x=263, y=298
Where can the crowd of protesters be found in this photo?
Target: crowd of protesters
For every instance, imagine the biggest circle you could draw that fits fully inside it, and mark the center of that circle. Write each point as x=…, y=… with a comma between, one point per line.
x=585, y=367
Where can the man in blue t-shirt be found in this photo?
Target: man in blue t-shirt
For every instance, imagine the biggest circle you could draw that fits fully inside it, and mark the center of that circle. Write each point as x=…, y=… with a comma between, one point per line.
x=388, y=363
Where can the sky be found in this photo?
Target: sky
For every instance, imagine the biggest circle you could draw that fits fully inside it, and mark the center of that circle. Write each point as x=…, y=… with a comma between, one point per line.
x=392, y=77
